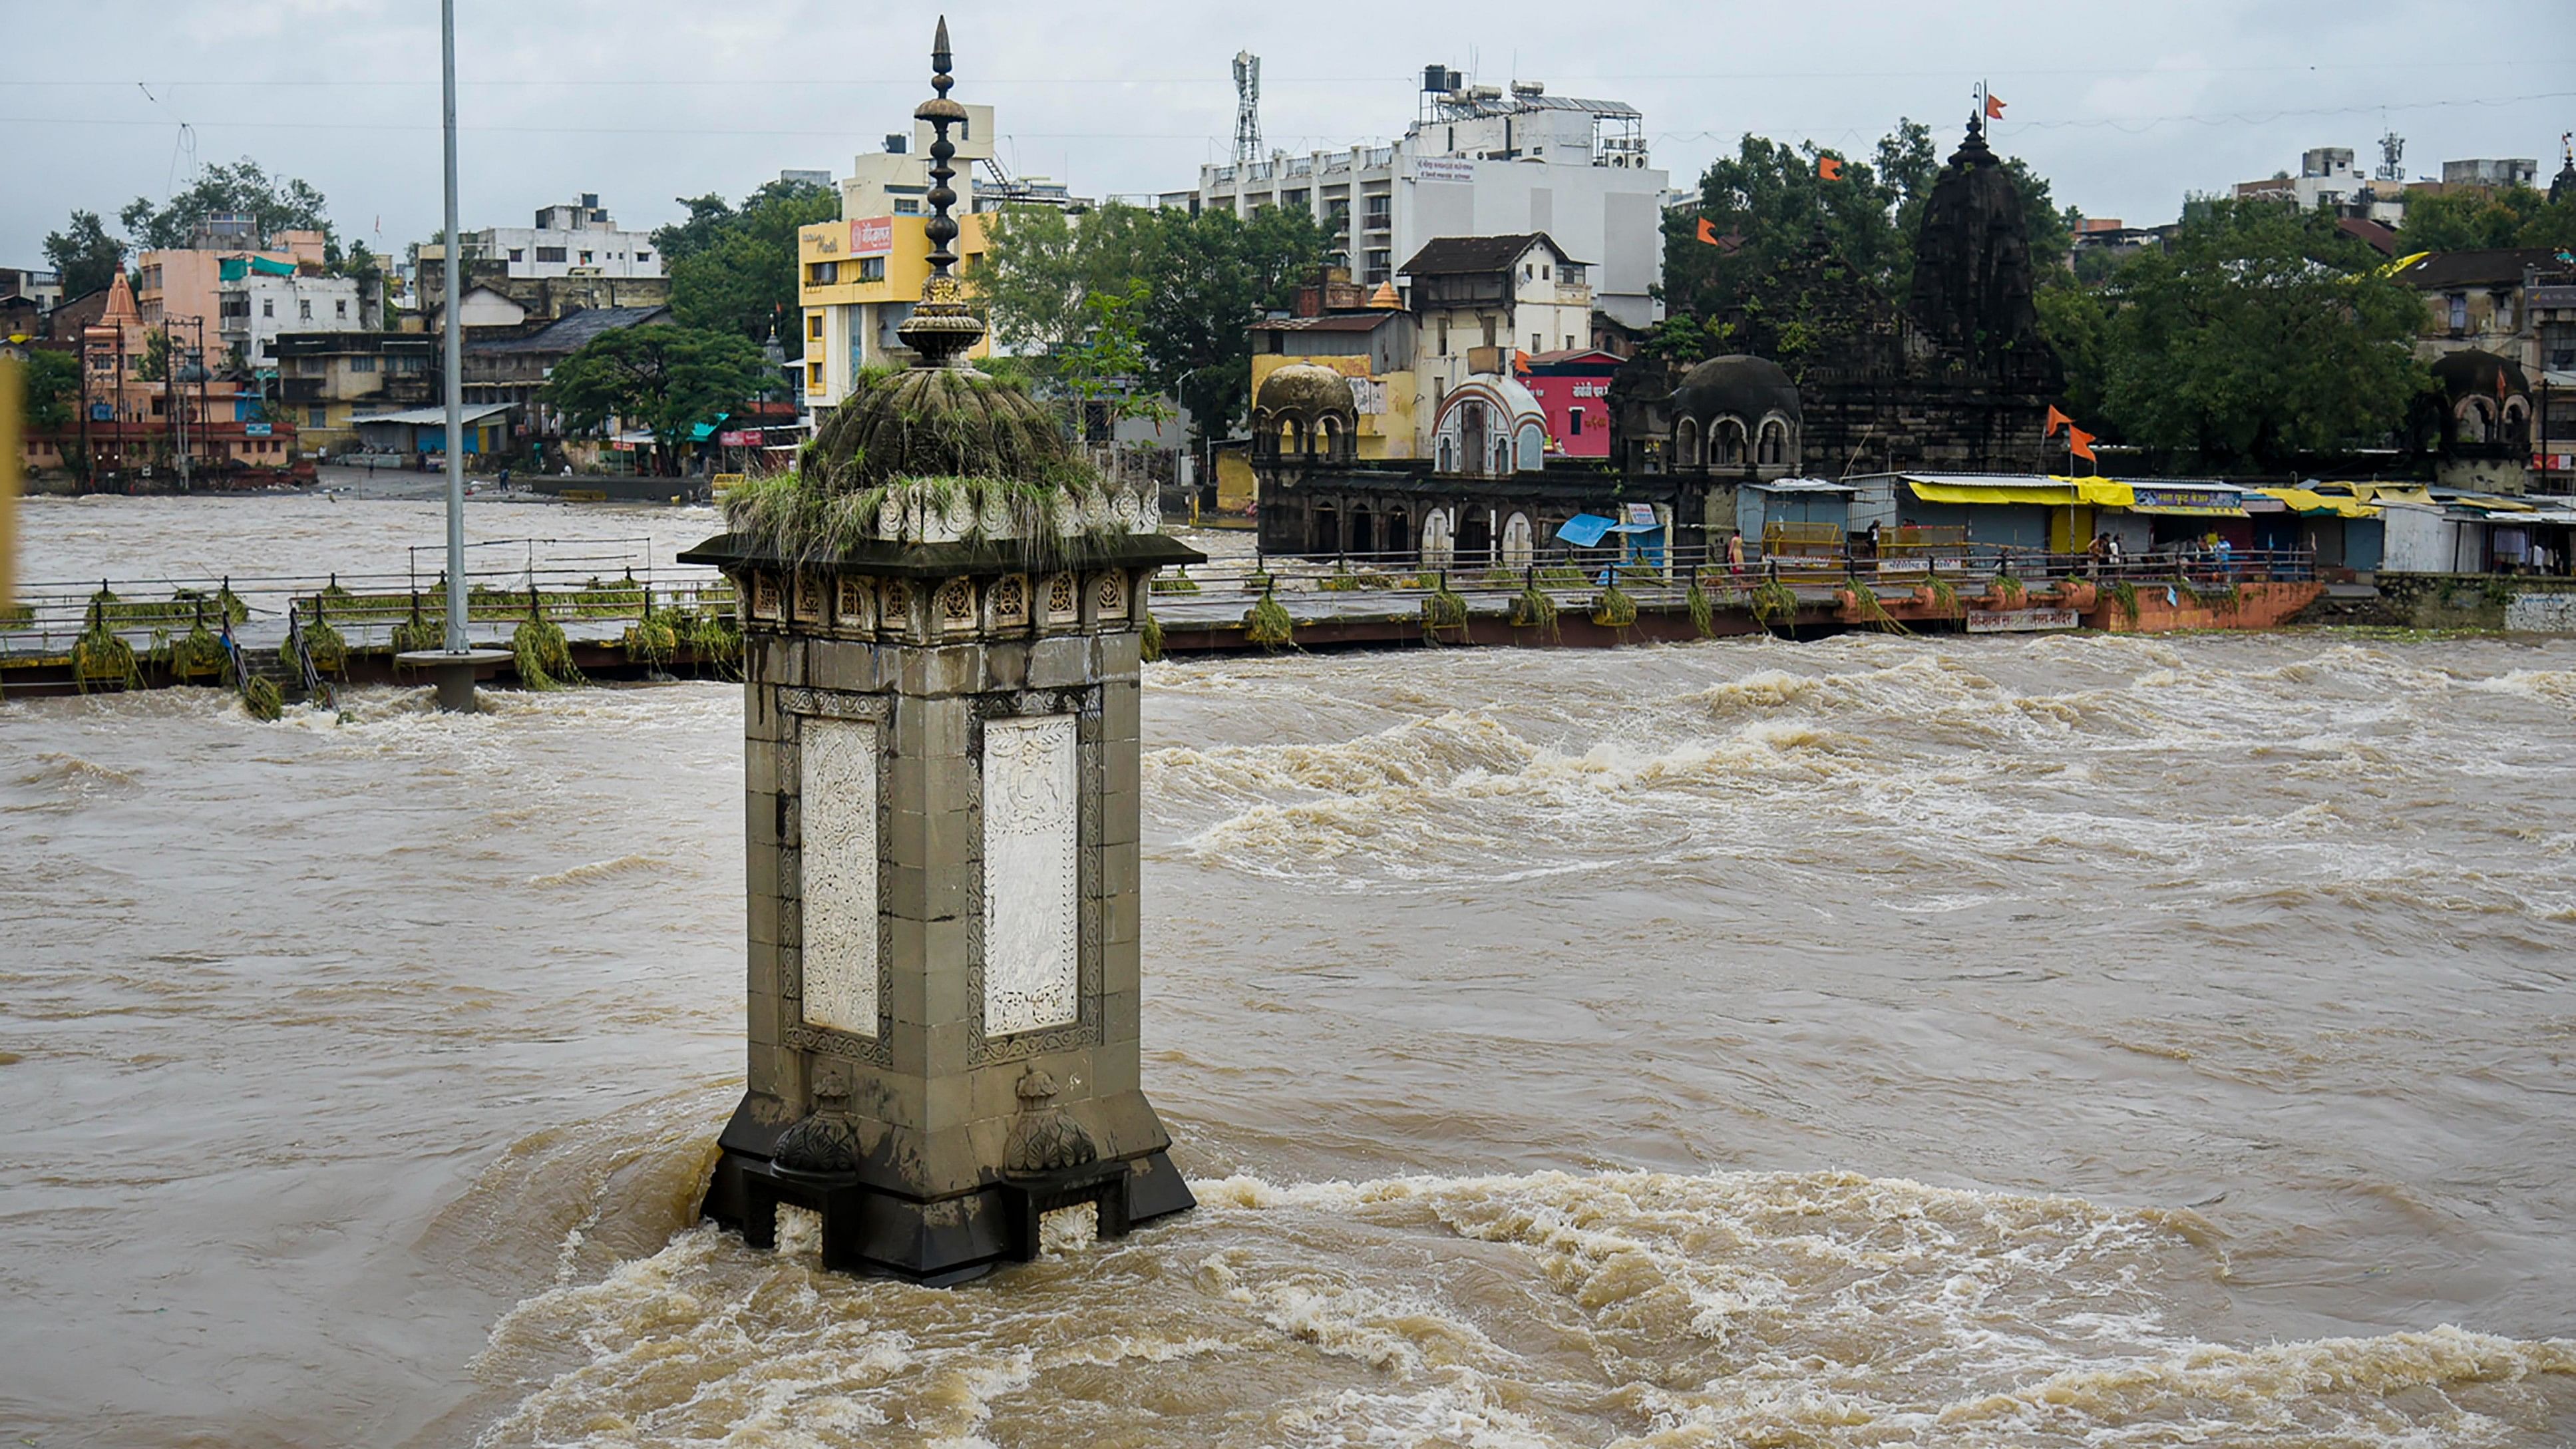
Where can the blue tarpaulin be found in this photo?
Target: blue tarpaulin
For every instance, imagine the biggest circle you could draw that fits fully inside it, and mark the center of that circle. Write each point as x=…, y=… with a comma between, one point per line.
x=1584, y=530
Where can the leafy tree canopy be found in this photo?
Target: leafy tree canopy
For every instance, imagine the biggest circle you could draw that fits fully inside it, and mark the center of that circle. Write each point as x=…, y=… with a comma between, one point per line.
x=660, y=377
x=53, y=390
x=736, y=271
x=2258, y=332
x=2470, y=220
x=274, y=205
x=1766, y=207
x=86, y=255
x=1207, y=279
x=1162, y=292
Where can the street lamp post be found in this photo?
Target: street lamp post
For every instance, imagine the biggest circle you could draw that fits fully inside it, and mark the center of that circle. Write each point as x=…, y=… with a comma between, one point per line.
x=455, y=666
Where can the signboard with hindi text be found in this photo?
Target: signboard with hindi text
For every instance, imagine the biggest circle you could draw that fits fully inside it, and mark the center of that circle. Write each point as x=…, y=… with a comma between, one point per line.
x=872, y=236
x=2019, y=621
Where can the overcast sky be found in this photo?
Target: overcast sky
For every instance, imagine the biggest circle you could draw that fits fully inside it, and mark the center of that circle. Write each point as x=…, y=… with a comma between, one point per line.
x=2125, y=106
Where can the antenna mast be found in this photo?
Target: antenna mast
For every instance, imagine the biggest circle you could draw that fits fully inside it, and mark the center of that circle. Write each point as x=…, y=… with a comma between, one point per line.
x=1247, y=107
x=2392, y=157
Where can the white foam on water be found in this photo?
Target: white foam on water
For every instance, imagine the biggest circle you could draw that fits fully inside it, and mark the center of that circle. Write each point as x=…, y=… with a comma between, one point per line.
x=1546, y=1309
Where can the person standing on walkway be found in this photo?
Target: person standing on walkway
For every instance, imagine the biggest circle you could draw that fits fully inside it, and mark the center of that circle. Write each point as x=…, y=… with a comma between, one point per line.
x=1735, y=558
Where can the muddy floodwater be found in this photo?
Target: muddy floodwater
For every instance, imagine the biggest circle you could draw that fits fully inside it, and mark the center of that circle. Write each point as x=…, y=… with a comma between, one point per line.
x=1882, y=1041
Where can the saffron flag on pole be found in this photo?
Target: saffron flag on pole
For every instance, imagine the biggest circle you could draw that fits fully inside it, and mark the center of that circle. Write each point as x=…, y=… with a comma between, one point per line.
x=1829, y=168
x=1707, y=233
x=2056, y=420
x=1994, y=106
x=2079, y=443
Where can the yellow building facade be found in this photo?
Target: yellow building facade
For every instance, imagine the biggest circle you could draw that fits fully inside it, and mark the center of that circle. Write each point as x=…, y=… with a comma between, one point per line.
x=856, y=282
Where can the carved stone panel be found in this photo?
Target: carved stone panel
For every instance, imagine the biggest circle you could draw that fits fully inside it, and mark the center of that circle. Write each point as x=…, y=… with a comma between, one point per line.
x=838, y=804
x=1032, y=943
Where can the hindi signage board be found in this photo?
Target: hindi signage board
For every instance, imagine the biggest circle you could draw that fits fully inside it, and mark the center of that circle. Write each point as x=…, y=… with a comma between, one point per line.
x=2019, y=621
x=872, y=236
x=1444, y=168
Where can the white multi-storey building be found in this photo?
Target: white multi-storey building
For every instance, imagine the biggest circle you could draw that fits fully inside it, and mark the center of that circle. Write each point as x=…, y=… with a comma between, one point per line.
x=265, y=300
x=1479, y=161
x=580, y=238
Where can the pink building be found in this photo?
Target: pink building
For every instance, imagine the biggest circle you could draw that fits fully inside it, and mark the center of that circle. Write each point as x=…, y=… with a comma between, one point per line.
x=1573, y=389
x=181, y=283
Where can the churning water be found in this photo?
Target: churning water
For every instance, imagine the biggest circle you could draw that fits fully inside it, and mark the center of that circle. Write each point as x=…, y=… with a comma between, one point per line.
x=2070, y=1041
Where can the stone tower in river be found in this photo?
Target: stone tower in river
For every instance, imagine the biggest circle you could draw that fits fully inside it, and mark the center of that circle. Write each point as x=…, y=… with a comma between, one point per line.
x=942, y=613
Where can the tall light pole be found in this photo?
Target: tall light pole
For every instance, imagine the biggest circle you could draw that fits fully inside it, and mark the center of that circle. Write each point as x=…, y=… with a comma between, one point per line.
x=454, y=666
x=453, y=345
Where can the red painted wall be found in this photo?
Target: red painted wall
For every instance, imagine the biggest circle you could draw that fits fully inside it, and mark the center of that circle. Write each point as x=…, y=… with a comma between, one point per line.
x=1580, y=381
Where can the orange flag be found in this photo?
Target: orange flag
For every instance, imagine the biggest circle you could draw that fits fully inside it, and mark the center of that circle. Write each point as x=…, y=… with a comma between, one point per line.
x=1994, y=107
x=1829, y=168
x=2056, y=420
x=1707, y=233
x=2079, y=443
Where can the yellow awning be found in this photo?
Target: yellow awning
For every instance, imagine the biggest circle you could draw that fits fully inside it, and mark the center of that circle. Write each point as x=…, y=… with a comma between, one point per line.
x=2103, y=492
x=1973, y=493
x=2301, y=500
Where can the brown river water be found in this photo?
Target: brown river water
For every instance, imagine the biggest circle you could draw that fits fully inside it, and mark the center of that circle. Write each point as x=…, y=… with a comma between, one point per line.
x=1882, y=1041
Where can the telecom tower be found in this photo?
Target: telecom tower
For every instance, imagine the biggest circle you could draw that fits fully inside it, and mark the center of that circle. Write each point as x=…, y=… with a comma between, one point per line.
x=1247, y=108
x=2392, y=157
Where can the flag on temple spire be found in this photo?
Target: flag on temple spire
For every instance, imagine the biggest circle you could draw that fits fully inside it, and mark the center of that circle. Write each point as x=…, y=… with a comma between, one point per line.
x=2056, y=420
x=1994, y=106
x=1829, y=168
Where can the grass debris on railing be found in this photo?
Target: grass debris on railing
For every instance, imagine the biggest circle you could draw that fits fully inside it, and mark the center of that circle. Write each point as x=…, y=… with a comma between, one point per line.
x=543, y=657
x=2124, y=597
x=325, y=646
x=1703, y=613
x=1773, y=601
x=1174, y=584
x=653, y=639
x=1442, y=608
x=99, y=657
x=197, y=654
x=1872, y=609
x=2008, y=588
x=262, y=698
x=1533, y=608
x=1268, y=624
x=1613, y=609
x=1944, y=596
x=1149, y=644
x=596, y=600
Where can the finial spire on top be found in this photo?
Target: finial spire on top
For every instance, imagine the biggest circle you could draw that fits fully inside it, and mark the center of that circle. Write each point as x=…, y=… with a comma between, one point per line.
x=941, y=329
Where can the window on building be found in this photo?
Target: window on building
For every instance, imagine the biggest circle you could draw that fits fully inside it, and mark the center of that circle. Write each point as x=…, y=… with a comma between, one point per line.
x=813, y=377
x=1538, y=342
x=643, y=256
x=822, y=274
x=1443, y=348
x=304, y=309
x=341, y=304
x=362, y=364
x=550, y=254
x=1574, y=422
x=1489, y=330
x=268, y=306
x=317, y=417
x=1569, y=342
x=518, y=254
x=813, y=326
x=2459, y=311
x=585, y=259
x=872, y=269
x=907, y=207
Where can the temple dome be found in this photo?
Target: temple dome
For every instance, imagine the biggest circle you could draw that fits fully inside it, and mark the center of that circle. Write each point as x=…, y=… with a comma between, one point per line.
x=934, y=423
x=1305, y=389
x=1736, y=385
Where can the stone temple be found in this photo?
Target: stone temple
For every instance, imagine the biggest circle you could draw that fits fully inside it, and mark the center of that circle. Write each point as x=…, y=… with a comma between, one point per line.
x=942, y=614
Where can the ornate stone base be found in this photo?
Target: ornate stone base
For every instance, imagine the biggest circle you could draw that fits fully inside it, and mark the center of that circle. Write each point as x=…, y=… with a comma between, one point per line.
x=869, y=1227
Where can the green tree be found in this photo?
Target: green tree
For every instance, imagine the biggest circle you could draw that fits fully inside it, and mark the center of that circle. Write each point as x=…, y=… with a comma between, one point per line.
x=1106, y=367
x=660, y=377
x=1767, y=207
x=2076, y=320
x=53, y=390
x=1207, y=279
x=2469, y=220
x=1041, y=263
x=2256, y=333
x=736, y=271
x=85, y=254
x=274, y=205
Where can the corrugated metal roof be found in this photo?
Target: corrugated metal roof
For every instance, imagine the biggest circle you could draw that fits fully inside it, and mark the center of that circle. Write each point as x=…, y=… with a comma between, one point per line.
x=419, y=416
x=1342, y=322
x=571, y=331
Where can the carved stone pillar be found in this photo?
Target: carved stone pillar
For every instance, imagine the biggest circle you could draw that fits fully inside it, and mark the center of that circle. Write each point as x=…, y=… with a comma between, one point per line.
x=941, y=761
